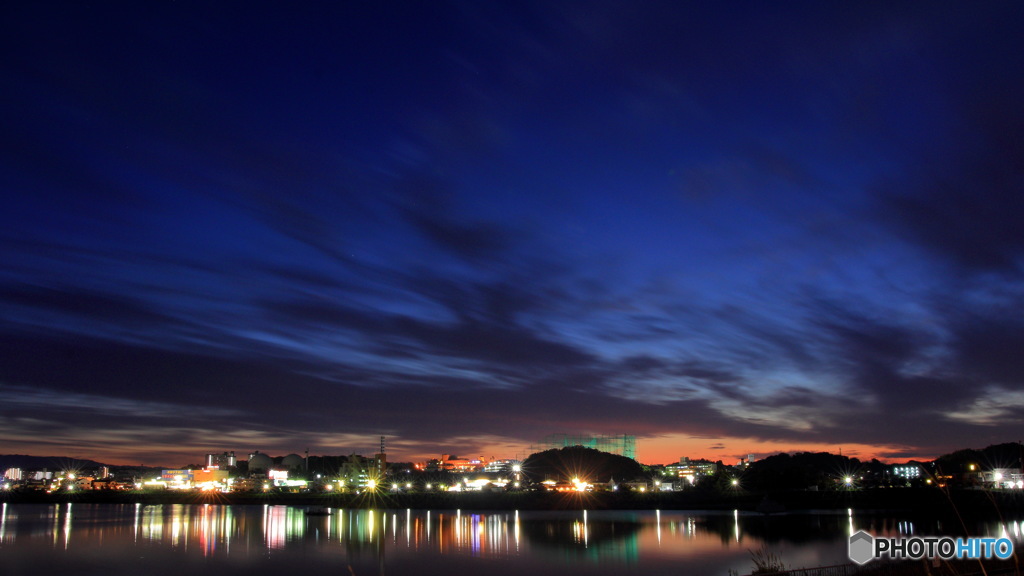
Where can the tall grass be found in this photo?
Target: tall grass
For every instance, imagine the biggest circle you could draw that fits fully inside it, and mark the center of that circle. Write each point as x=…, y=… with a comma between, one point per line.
x=766, y=561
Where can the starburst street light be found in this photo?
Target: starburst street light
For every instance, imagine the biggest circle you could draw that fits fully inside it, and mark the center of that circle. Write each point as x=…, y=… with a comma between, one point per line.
x=580, y=485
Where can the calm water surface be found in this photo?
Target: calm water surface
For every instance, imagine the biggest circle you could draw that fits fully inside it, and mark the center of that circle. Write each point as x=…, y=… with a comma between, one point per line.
x=108, y=540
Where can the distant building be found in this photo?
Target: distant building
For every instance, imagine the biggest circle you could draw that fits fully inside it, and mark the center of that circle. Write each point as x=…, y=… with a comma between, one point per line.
x=1003, y=478
x=13, y=474
x=176, y=475
x=361, y=473
x=691, y=470
x=450, y=463
x=908, y=471
x=293, y=462
x=259, y=462
x=380, y=461
x=744, y=462
x=380, y=464
x=506, y=466
x=209, y=475
x=221, y=461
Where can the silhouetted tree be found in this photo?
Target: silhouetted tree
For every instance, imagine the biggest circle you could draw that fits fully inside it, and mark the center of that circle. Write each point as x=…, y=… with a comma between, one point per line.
x=1007, y=455
x=576, y=461
x=800, y=471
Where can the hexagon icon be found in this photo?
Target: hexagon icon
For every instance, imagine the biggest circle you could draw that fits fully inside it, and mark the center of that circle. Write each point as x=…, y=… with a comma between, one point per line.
x=861, y=547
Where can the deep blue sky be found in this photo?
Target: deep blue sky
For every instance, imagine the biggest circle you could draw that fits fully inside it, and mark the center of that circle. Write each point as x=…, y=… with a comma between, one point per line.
x=726, y=228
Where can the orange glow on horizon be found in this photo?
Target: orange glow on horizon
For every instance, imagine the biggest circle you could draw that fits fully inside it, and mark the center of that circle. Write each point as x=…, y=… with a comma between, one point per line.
x=659, y=450
x=730, y=450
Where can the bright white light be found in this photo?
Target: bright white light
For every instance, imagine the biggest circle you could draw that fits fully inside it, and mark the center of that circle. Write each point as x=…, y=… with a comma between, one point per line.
x=580, y=485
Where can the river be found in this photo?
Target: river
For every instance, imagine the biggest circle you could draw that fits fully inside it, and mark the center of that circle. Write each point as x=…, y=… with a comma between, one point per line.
x=175, y=539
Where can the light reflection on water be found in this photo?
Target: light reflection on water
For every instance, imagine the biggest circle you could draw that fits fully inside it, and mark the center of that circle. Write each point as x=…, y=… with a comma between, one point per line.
x=242, y=539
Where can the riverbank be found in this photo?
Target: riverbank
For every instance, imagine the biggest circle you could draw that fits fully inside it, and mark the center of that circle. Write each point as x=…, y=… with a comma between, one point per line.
x=933, y=503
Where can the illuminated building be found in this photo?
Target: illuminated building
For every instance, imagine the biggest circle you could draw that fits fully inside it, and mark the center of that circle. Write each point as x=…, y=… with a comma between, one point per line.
x=908, y=471
x=501, y=466
x=13, y=474
x=209, y=475
x=1003, y=478
x=280, y=480
x=176, y=475
x=691, y=470
x=622, y=444
x=178, y=479
x=225, y=460
x=360, y=472
x=449, y=463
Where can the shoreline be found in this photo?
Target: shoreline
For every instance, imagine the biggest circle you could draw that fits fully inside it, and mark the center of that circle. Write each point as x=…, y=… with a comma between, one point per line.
x=935, y=503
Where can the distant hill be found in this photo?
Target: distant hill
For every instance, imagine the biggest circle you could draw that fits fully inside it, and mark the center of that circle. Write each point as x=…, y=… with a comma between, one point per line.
x=54, y=463
x=800, y=470
x=588, y=463
x=1007, y=455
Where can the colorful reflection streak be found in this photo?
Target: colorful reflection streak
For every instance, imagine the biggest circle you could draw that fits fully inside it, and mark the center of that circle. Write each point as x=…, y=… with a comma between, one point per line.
x=36, y=538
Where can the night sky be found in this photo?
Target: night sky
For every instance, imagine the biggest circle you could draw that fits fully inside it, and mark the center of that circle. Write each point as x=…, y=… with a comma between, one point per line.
x=725, y=228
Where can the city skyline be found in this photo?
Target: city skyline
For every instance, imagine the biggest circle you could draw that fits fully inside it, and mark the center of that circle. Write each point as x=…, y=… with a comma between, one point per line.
x=724, y=229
